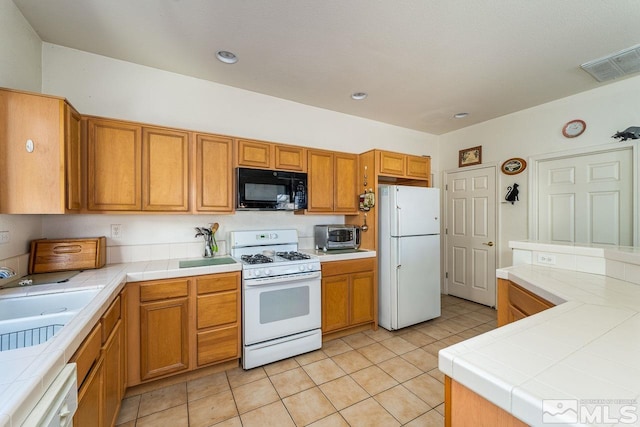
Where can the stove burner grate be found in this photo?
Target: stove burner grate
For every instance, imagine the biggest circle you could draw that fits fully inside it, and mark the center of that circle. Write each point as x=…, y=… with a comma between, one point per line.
x=256, y=259
x=293, y=255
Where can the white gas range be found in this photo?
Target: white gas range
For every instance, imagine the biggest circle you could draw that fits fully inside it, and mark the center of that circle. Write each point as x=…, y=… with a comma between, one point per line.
x=281, y=298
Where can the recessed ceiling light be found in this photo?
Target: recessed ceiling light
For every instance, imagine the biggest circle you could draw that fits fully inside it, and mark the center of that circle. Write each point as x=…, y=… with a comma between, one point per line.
x=226, y=57
x=460, y=115
x=359, y=96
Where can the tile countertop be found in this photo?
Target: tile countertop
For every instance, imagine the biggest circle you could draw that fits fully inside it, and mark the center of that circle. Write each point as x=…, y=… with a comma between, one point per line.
x=586, y=349
x=26, y=373
x=340, y=255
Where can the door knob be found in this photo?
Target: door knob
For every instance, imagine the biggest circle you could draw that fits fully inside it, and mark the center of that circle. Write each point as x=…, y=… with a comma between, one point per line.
x=488, y=244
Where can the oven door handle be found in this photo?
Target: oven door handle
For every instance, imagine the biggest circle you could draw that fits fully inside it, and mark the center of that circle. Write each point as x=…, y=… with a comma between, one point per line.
x=286, y=278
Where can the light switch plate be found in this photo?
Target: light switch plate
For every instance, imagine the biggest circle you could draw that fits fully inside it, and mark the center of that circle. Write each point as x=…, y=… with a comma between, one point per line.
x=4, y=237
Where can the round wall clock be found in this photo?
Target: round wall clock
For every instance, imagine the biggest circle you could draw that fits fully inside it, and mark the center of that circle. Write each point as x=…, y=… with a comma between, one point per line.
x=574, y=128
x=514, y=166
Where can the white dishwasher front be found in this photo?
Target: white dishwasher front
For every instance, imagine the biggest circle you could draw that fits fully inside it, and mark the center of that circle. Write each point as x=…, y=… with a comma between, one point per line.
x=59, y=403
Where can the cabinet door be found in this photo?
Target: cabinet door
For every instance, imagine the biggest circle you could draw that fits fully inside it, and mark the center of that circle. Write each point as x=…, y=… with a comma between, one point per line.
x=113, y=375
x=114, y=166
x=165, y=170
x=320, y=181
x=255, y=154
x=91, y=398
x=289, y=158
x=335, y=303
x=345, y=183
x=164, y=340
x=32, y=182
x=361, y=298
x=218, y=344
x=73, y=158
x=392, y=163
x=418, y=167
x=214, y=173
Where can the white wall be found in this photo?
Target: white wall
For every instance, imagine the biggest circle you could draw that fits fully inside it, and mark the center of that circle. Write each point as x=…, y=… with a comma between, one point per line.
x=606, y=110
x=20, y=68
x=97, y=85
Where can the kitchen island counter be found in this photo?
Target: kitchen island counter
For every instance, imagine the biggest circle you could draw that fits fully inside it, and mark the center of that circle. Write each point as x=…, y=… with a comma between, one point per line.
x=26, y=373
x=581, y=354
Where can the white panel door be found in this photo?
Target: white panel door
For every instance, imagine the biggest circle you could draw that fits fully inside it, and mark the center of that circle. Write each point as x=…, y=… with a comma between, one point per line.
x=471, y=235
x=587, y=199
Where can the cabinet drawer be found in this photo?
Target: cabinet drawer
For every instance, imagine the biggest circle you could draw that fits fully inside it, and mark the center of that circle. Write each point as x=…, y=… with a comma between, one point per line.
x=217, y=309
x=154, y=291
x=217, y=345
x=525, y=301
x=346, y=267
x=88, y=353
x=110, y=319
x=217, y=283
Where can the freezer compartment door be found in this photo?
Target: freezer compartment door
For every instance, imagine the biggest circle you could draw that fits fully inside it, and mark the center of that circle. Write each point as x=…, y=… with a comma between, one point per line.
x=417, y=281
x=414, y=210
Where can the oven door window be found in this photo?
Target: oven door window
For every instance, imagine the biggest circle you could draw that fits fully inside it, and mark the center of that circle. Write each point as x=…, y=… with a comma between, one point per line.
x=284, y=304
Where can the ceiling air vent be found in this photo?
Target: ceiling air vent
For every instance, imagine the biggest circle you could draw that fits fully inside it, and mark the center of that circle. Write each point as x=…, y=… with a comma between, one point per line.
x=616, y=65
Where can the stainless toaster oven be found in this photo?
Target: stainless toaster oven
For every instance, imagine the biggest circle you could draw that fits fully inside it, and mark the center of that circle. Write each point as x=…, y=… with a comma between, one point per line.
x=337, y=236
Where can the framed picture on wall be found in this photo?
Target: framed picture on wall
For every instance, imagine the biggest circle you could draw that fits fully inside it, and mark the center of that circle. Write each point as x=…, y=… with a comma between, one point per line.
x=470, y=156
x=514, y=166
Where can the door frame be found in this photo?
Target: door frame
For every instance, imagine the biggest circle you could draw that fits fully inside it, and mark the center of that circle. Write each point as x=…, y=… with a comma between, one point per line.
x=596, y=149
x=445, y=214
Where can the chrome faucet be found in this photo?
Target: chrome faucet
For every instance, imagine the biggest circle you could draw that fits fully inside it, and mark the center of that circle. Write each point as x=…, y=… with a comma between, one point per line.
x=6, y=272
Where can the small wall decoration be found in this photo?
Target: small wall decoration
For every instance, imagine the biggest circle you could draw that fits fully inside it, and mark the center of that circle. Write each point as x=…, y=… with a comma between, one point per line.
x=514, y=166
x=632, y=132
x=512, y=194
x=574, y=128
x=470, y=156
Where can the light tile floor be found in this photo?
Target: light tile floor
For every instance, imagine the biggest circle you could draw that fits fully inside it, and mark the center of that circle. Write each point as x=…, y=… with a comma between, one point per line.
x=366, y=379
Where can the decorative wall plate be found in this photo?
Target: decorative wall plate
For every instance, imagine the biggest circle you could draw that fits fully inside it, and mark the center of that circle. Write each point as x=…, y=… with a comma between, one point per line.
x=574, y=128
x=514, y=166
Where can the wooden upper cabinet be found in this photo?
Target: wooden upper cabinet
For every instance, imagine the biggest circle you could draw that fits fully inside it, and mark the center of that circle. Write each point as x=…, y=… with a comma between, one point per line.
x=165, y=168
x=114, y=165
x=39, y=154
x=345, y=183
x=214, y=173
x=320, y=176
x=136, y=168
x=332, y=182
x=392, y=163
x=289, y=157
x=267, y=155
x=418, y=167
x=254, y=154
x=403, y=165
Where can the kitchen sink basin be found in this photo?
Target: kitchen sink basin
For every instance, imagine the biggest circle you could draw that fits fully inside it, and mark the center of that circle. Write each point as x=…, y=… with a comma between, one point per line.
x=43, y=304
x=206, y=262
x=33, y=320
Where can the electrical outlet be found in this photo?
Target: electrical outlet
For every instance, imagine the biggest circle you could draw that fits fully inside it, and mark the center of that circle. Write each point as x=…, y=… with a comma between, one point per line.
x=116, y=231
x=4, y=237
x=548, y=259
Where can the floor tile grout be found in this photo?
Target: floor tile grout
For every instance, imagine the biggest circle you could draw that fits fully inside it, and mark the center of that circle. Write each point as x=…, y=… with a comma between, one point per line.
x=445, y=327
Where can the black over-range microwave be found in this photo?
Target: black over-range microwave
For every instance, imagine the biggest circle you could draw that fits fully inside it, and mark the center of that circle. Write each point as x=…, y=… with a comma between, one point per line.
x=261, y=189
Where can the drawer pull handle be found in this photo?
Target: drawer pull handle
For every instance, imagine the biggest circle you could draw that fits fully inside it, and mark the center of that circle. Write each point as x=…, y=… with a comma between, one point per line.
x=71, y=249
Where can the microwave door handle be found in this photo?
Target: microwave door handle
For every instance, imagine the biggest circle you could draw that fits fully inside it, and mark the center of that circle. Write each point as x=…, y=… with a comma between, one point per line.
x=358, y=231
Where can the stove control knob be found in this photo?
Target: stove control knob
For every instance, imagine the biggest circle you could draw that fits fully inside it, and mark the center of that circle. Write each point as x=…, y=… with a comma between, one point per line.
x=248, y=273
x=258, y=273
x=309, y=267
x=267, y=271
x=301, y=267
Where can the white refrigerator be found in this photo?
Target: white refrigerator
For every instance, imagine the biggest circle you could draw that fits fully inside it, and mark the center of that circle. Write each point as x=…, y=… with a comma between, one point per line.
x=409, y=255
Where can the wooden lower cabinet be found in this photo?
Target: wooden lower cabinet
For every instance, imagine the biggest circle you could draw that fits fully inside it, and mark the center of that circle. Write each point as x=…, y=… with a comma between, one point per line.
x=515, y=302
x=164, y=340
x=178, y=325
x=349, y=294
x=101, y=371
x=463, y=408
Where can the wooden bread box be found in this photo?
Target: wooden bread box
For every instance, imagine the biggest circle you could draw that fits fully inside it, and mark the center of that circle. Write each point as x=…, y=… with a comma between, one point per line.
x=48, y=255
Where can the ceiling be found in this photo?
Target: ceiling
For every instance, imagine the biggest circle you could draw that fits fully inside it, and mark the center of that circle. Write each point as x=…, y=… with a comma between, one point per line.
x=420, y=61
